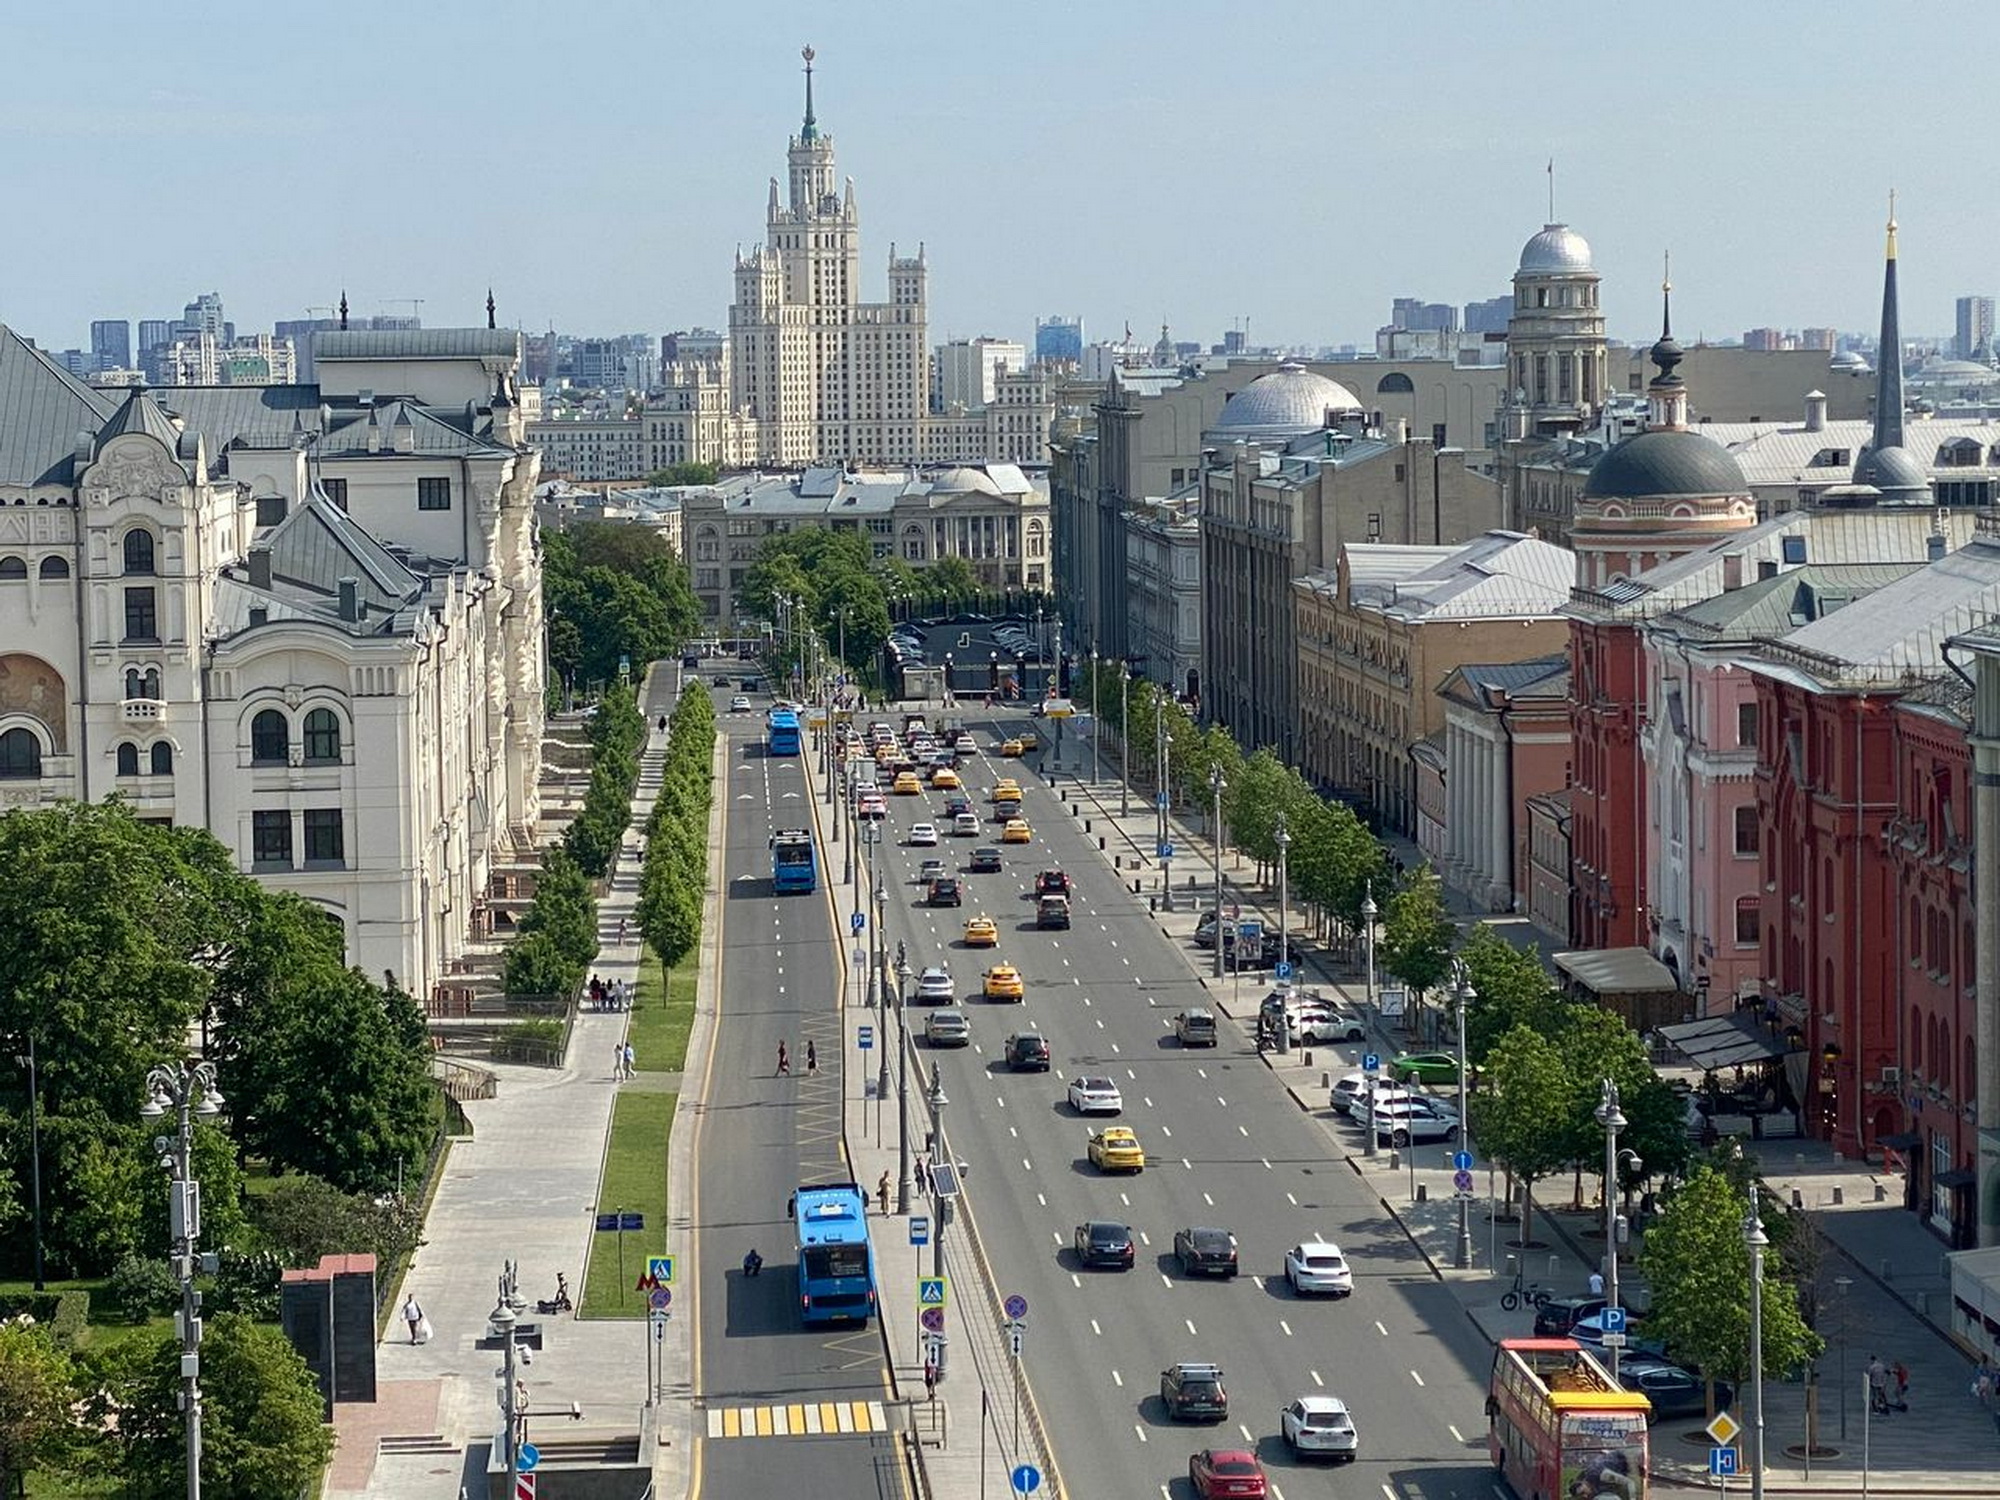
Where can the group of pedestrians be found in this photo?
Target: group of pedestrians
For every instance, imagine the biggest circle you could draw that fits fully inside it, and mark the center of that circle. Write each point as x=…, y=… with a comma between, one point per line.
x=1888, y=1386
x=622, y=1065
x=609, y=994
x=785, y=1060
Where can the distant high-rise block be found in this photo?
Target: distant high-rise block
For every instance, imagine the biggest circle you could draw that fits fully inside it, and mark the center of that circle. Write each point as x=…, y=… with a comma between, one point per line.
x=1766, y=339
x=1418, y=315
x=1489, y=316
x=1974, y=338
x=111, y=343
x=155, y=333
x=1819, y=338
x=1059, y=339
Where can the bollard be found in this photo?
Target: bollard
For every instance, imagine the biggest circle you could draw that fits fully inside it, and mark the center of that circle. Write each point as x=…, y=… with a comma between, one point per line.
x=1100, y=843
x=1839, y=1197
x=1798, y=1199
x=1423, y=1192
x=1326, y=1081
x=1306, y=1057
x=1086, y=825
x=1881, y=1193
x=1513, y=1265
x=1395, y=1160
x=1152, y=903
x=1135, y=887
x=1555, y=1266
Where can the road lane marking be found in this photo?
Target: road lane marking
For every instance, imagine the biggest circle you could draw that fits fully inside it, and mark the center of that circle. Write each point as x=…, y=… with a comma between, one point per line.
x=1287, y=1327
x=1013, y=1132
x=1208, y=1200
x=1193, y=1332
x=1416, y=1377
x=1165, y=1130
x=1095, y=1329
x=1291, y=1200
x=1142, y=1438
x=1243, y=1130
x=1126, y=1199
x=1201, y=1072
x=1249, y=1438
x=1144, y=1240
x=1114, y=1046
x=1117, y=1379
x=1222, y=1101
x=1456, y=1435
x=1026, y=1165
x=1039, y=1198
x=1166, y=1280
x=1316, y=1380
x=1267, y=1163
x=1380, y=1329
x=1076, y=1281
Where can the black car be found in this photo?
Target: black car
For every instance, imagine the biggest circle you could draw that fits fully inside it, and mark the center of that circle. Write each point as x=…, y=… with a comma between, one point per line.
x=1556, y=1317
x=1674, y=1392
x=957, y=803
x=1028, y=1052
x=1193, y=1392
x=985, y=860
x=1205, y=1251
x=944, y=892
x=750, y=684
x=1103, y=1243
x=722, y=679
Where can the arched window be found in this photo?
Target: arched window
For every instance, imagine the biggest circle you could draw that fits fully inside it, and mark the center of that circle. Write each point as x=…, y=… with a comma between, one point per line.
x=134, y=687
x=128, y=760
x=151, y=683
x=1916, y=1040
x=1944, y=1056
x=138, y=552
x=55, y=567
x=20, y=755
x=270, y=739
x=1395, y=383
x=13, y=569
x=162, y=758
x=322, y=737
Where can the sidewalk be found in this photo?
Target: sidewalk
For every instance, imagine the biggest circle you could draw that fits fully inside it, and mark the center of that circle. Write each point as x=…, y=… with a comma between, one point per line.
x=1894, y=1302
x=523, y=1187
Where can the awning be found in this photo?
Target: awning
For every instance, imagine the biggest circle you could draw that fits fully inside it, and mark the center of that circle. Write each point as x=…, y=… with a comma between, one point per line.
x=1902, y=1140
x=1723, y=1042
x=1616, y=971
x=1957, y=1177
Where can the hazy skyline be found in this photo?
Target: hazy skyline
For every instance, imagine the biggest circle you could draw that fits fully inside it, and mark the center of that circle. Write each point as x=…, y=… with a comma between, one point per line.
x=1297, y=165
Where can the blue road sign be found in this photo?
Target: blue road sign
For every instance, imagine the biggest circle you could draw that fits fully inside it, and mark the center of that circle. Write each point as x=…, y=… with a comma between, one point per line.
x=526, y=1457
x=1160, y=800
x=1371, y=1062
x=609, y=1223
x=1283, y=970
x=858, y=921
x=1164, y=850
x=1614, y=1320
x=1461, y=1161
x=930, y=1291
x=867, y=1038
x=1461, y=1182
x=1722, y=1462
x=920, y=1229
x=1027, y=1479
x=1016, y=1306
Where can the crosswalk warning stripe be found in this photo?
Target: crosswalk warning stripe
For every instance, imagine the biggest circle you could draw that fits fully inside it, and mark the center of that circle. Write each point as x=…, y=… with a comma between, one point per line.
x=797, y=1419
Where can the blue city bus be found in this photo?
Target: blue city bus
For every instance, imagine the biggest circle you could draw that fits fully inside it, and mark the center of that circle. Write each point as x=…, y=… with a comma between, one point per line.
x=794, y=865
x=836, y=1266
x=783, y=736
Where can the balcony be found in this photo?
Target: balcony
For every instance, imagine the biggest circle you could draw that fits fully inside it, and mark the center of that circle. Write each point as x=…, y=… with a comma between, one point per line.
x=142, y=710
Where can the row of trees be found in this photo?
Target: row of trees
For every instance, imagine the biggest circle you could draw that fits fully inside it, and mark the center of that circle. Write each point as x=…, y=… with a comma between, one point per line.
x=612, y=593
x=675, y=876
x=617, y=735
x=117, y=940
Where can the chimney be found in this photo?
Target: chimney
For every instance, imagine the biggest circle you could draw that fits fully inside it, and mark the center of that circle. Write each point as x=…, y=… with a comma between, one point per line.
x=1767, y=567
x=260, y=567
x=350, y=599
x=259, y=615
x=1935, y=545
x=1815, y=411
x=1732, y=571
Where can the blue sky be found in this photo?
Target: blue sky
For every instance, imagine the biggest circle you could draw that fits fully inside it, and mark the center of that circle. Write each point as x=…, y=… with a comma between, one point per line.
x=1292, y=163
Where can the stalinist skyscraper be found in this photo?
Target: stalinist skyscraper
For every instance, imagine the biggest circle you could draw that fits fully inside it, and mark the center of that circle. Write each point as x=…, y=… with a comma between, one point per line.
x=812, y=374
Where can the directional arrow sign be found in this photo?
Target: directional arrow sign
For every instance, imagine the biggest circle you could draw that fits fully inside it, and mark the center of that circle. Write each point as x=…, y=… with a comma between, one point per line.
x=1461, y=1161
x=526, y=1457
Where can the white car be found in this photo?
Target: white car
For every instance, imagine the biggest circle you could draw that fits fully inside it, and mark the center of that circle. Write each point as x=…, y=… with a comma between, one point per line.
x=965, y=744
x=966, y=825
x=739, y=704
x=1386, y=1094
x=1315, y=1266
x=934, y=986
x=1313, y=1425
x=1320, y=1026
x=923, y=835
x=1402, y=1121
x=1095, y=1096
x=872, y=806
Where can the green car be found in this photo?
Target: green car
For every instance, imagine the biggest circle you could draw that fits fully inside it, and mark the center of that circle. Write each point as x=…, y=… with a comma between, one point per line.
x=1425, y=1067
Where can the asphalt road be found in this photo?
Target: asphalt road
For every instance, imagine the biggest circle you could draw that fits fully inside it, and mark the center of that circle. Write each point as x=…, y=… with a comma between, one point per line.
x=760, y=1137
x=1225, y=1146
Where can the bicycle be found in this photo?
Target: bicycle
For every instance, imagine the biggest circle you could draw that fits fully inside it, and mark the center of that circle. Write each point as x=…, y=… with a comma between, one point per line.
x=1536, y=1296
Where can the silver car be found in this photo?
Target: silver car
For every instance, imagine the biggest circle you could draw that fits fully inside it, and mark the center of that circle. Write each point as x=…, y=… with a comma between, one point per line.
x=934, y=986
x=947, y=1027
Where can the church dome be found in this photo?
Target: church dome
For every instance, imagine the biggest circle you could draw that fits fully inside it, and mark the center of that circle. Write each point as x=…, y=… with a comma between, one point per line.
x=1288, y=402
x=1665, y=464
x=1894, y=471
x=1558, y=249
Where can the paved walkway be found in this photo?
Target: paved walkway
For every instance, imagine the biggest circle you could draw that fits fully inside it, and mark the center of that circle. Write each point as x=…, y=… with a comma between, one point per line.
x=523, y=1187
x=1883, y=1279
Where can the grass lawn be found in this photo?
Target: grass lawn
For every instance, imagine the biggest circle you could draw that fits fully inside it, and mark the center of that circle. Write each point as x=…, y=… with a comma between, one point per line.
x=663, y=1014
x=635, y=1181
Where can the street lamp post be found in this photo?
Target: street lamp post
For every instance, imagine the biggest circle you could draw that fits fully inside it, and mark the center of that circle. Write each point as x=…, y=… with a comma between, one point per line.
x=1369, y=911
x=939, y=1148
x=1216, y=787
x=35, y=1152
x=1841, y=1284
x=1464, y=994
x=1612, y=1118
x=1755, y=1238
x=1096, y=724
x=1161, y=752
x=184, y=1091
x=902, y=1085
x=1283, y=839
x=1124, y=739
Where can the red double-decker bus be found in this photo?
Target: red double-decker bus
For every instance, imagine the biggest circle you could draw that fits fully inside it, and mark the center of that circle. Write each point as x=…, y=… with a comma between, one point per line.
x=1560, y=1428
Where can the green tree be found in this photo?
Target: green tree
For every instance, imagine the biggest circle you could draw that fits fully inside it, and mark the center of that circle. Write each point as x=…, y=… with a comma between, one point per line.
x=262, y=1434
x=302, y=1219
x=1597, y=1045
x=1698, y=1267
x=38, y=1387
x=1520, y=1113
x=950, y=581
x=1417, y=933
x=1511, y=987
x=687, y=472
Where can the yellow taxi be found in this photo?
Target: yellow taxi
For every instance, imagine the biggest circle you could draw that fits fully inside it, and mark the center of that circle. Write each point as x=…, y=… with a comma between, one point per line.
x=1029, y=741
x=945, y=779
x=907, y=784
x=884, y=754
x=1006, y=786
x=1117, y=1149
x=981, y=932
x=1012, y=747
x=1003, y=982
x=1017, y=831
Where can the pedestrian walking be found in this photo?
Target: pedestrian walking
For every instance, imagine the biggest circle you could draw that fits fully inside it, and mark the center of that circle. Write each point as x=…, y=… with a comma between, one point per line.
x=617, y=1061
x=631, y=1069
x=882, y=1192
x=812, y=1059
x=1597, y=1283
x=1900, y=1374
x=930, y=1380
x=1878, y=1385
x=414, y=1316
x=784, y=1061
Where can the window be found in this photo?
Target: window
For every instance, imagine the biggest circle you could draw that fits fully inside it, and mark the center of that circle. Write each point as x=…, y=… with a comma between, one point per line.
x=142, y=620
x=20, y=754
x=139, y=552
x=433, y=494
x=270, y=510
x=161, y=757
x=271, y=839
x=55, y=567
x=128, y=760
x=270, y=739
x=1746, y=830
x=324, y=844
x=335, y=490
x=13, y=569
x=1746, y=725
x=1747, y=922
x=322, y=737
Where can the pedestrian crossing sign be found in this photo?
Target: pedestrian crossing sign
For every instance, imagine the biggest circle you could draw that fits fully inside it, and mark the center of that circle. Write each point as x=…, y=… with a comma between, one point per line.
x=660, y=1270
x=931, y=1291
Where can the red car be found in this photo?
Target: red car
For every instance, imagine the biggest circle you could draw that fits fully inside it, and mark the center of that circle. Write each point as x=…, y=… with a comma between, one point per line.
x=1226, y=1474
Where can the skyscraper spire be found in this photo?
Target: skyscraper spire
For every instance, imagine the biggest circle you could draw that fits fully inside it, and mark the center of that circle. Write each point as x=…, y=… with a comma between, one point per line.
x=810, y=130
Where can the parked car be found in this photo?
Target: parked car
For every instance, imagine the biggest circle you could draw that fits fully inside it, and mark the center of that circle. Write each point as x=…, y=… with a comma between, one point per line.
x=1416, y=1119
x=1439, y=1069
x=1674, y=1392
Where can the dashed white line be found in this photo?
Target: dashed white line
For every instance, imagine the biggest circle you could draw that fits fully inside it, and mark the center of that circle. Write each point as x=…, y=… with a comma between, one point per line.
x=1026, y=1165
x=1316, y=1380
x=1142, y=1438
x=1076, y=1281
x=1291, y=1200
x=1208, y=1200
x=1144, y=1240
x=1043, y=1200
x=1380, y=1329
x=1416, y=1377
x=1456, y=1435
x=1126, y=1199
x=1166, y=1131
x=1222, y=1101
x=1287, y=1328
x=1166, y=1280
x=1095, y=1329
x=1186, y=1163
x=1242, y=1129
x=1013, y=1132
x=1267, y=1163
x=1193, y=1332
x=1117, y=1379
x=1201, y=1072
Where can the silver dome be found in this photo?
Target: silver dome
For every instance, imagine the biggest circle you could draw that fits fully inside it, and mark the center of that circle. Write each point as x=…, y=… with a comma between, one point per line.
x=1894, y=471
x=1288, y=402
x=1557, y=249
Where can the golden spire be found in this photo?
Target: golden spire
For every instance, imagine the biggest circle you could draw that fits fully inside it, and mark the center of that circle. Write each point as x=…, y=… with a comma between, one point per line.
x=1892, y=224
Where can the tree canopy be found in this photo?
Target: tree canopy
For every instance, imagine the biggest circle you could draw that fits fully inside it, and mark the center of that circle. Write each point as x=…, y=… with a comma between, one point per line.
x=613, y=589
x=1417, y=932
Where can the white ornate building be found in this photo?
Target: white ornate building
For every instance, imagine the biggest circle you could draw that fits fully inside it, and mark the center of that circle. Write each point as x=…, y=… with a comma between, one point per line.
x=306, y=618
x=814, y=375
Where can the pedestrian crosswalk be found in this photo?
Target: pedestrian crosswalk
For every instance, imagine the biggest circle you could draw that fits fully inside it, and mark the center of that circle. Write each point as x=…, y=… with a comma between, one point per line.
x=796, y=1419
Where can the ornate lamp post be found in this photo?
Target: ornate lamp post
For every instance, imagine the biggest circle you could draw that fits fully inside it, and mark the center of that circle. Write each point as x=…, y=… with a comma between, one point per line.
x=1612, y=1118
x=184, y=1091
x=1464, y=994
x=1283, y=838
x=902, y=1085
x=1096, y=724
x=1124, y=739
x=1369, y=912
x=1755, y=1238
x=1216, y=787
